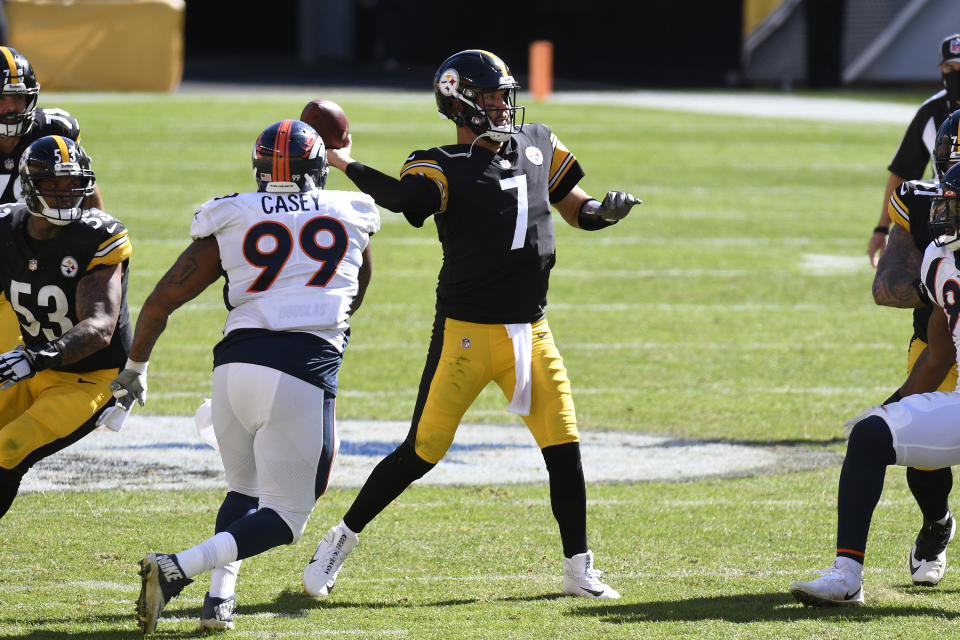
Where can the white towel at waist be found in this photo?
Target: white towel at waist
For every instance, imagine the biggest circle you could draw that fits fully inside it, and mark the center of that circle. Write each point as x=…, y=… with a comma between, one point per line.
x=522, y=336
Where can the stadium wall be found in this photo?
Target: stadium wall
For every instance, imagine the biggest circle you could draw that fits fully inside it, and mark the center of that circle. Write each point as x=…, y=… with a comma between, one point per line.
x=100, y=45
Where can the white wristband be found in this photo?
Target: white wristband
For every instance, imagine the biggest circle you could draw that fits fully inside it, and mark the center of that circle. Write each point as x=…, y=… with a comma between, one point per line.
x=139, y=367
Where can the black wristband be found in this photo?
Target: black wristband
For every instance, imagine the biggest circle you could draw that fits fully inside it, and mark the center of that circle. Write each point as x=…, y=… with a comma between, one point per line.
x=895, y=397
x=881, y=229
x=45, y=356
x=591, y=221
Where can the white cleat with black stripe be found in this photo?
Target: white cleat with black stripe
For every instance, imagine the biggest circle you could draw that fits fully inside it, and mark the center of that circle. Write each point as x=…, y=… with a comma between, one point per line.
x=581, y=579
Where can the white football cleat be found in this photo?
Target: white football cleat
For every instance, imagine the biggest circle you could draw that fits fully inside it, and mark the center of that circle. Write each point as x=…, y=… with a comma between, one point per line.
x=928, y=557
x=321, y=572
x=841, y=584
x=581, y=579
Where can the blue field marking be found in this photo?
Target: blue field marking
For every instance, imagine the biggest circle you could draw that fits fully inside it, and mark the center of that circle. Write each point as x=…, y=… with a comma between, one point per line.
x=159, y=446
x=373, y=449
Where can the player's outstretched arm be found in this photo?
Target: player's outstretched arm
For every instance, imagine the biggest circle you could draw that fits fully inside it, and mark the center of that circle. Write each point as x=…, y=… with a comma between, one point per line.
x=581, y=211
x=194, y=270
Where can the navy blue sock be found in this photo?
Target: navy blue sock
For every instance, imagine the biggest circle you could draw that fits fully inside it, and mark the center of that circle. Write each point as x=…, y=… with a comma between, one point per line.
x=259, y=531
x=568, y=495
x=235, y=506
x=869, y=451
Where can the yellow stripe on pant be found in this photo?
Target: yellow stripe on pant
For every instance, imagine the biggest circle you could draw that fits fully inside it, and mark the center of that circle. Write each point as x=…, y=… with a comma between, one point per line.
x=51, y=405
x=472, y=355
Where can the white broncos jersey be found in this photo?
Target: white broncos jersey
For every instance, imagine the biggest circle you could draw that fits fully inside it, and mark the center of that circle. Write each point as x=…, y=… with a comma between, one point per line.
x=941, y=277
x=291, y=259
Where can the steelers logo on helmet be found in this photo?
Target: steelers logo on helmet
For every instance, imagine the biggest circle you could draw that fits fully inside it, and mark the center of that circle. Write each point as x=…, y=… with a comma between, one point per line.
x=449, y=80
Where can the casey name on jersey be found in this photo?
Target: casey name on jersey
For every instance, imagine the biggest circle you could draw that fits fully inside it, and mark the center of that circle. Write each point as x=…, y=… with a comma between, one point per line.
x=285, y=203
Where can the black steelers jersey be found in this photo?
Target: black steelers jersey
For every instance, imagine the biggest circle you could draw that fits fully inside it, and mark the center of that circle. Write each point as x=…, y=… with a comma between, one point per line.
x=40, y=278
x=909, y=207
x=46, y=122
x=494, y=222
x=911, y=157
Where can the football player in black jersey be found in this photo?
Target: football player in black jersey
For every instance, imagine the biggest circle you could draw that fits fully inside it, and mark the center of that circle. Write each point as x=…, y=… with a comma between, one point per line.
x=490, y=195
x=64, y=269
x=896, y=284
x=21, y=123
x=910, y=160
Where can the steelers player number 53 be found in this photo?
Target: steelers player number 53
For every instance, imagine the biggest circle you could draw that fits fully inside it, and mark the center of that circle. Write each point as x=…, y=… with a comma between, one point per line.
x=49, y=296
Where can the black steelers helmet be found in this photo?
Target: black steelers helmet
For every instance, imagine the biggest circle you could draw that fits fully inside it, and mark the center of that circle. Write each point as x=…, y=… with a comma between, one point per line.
x=945, y=211
x=946, y=147
x=18, y=80
x=289, y=157
x=55, y=178
x=462, y=78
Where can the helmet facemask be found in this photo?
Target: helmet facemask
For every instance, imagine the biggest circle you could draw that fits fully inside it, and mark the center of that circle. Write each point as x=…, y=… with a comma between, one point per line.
x=13, y=124
x=945, y=217
x=497, y=122
x=61, y=198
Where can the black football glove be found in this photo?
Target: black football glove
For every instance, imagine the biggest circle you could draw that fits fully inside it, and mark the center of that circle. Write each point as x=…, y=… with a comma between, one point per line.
x=616, y=205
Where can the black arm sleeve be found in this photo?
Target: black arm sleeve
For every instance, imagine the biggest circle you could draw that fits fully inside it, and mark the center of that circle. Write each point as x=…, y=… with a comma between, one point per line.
x=416, y=197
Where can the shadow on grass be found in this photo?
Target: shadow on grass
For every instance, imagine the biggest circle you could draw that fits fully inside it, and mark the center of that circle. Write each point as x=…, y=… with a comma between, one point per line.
x=758, y=607
x=288, y=603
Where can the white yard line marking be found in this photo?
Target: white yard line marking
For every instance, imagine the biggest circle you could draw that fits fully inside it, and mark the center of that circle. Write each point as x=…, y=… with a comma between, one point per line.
x=164, y=452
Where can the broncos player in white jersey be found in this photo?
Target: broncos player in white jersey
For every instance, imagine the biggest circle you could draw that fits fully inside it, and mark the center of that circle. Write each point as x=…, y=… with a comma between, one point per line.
x=297, y=262
x=920, y=430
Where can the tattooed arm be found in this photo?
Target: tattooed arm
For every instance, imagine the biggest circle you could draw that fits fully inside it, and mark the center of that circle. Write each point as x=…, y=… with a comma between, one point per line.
x=898, y=269
x=98, y=306
x=197, y=268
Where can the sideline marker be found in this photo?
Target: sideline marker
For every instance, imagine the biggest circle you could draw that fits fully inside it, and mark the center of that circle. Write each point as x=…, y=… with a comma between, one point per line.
x=541, y=69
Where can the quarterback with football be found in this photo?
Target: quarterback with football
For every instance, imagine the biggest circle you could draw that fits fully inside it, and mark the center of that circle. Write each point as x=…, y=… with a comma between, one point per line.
x=64, y=269
x=918, y=430
x=297, y=261
x=490, y=195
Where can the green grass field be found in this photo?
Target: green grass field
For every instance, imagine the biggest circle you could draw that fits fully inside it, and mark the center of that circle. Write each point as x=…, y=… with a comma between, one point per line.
x=733, y=305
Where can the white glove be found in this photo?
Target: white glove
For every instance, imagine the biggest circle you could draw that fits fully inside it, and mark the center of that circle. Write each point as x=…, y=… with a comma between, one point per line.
x=852, y=422
x=130, y=384
x=14, y=367
x=114, y=417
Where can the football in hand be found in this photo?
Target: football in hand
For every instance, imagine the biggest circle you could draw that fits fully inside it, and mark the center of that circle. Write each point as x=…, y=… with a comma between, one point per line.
x=329, y=120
